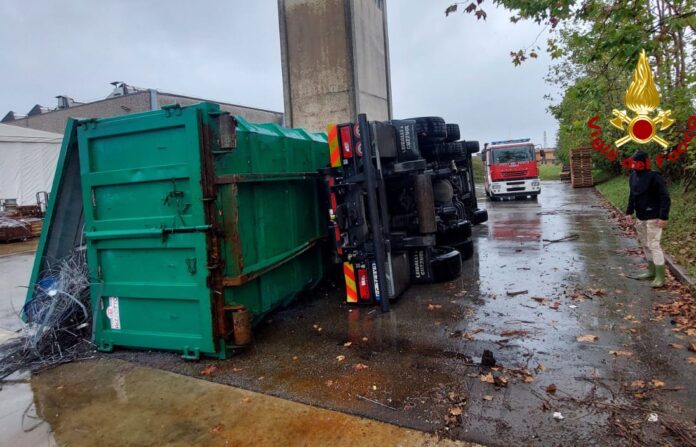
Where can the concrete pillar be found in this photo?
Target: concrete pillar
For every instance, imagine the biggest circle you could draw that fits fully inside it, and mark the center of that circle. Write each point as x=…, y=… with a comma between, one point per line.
x=335, y=61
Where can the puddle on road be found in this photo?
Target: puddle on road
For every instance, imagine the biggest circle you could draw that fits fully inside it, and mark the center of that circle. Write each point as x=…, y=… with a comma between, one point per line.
x=113, y=403
x=20, y=426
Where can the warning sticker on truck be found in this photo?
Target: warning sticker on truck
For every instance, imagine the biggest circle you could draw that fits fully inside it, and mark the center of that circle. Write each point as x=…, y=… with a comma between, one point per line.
x=112, y=313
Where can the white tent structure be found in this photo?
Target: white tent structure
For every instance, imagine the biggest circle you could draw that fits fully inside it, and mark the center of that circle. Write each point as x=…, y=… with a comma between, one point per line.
x=28, y=160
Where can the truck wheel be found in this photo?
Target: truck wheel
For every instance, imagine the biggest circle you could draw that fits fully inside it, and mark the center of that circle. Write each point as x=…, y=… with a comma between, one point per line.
x=443, y=151
x=446, y=265
x=430, y=129
x=455, y=234
x=479, y=216
x=465, y=249
x=472, y=147
x=452, y=133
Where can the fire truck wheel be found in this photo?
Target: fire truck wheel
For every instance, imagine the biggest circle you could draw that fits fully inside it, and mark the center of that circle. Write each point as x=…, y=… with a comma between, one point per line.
x=465, y=249
x=452, y=133
x=446, y=265
x=430, y=129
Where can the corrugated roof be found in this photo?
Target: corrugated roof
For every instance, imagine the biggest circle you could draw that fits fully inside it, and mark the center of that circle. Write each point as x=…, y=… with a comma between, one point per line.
x=24, y=134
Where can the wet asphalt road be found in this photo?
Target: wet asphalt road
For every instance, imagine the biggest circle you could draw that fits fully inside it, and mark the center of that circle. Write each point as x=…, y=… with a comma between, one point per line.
x=417, y=366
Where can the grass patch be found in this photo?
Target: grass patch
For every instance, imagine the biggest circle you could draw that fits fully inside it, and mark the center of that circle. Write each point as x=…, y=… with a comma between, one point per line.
x=679, y=238
x=477, y=167
x=550, y=172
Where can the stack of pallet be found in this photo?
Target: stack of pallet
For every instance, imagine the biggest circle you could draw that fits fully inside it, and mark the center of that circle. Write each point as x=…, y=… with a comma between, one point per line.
x=565, y=173
x=581, y=167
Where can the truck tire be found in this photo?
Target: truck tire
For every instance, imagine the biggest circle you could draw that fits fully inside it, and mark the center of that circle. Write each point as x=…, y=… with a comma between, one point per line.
x=452, y=133
x=472, y=147
x=430, y=129
x=465, y=249
x=446, y=265
x=455, y=235
x=444, y=151
x=479, y=216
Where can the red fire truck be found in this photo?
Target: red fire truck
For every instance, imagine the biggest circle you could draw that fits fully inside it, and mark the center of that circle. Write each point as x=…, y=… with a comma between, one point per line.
x=511, y=170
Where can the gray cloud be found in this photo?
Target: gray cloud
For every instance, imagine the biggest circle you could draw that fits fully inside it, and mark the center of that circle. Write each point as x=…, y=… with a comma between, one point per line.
x=229, y=51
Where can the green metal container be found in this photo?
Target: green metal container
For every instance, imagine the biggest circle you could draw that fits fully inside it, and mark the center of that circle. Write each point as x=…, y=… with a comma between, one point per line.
x=197, y=225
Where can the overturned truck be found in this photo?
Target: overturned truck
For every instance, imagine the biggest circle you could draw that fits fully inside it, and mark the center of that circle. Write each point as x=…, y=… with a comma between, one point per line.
x=402, y=204
x=196, y=224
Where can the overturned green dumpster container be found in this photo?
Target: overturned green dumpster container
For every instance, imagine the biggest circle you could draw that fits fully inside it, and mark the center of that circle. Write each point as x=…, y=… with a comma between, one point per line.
x=197, y=225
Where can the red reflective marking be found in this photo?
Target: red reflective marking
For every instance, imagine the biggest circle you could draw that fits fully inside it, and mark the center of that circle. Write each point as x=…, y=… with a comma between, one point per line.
x=363, y=285
x=346, y=142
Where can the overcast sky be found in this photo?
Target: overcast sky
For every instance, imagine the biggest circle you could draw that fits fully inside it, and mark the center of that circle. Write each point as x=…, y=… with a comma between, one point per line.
x=454, y=67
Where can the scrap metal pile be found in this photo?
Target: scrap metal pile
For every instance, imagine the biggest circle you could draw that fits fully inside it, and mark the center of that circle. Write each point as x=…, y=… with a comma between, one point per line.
x=58, y=320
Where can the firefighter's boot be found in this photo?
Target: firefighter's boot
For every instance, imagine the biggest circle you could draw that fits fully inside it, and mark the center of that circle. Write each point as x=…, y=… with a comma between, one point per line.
x=650, y=274
x=659, y=276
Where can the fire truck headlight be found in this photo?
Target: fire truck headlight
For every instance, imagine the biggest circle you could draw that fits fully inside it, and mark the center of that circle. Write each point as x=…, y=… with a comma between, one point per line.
x=535, y=184
x=495, y=187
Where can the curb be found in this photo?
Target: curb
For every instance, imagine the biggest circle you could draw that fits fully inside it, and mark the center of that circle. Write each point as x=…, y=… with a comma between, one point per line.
x=676, y=270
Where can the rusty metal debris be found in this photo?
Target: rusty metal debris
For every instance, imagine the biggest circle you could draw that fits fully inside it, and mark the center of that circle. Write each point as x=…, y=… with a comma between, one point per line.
x=58, y=320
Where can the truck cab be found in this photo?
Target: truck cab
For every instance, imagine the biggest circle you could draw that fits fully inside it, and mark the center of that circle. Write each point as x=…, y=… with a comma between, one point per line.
x=511, y=170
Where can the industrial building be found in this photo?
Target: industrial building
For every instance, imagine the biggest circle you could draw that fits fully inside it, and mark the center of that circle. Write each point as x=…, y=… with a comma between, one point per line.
x=124, y=99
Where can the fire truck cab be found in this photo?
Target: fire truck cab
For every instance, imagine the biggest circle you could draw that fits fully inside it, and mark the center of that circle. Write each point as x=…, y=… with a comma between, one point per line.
x=511, y=170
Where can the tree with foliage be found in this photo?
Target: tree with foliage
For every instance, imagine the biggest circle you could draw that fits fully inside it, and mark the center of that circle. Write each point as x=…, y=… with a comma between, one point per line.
x=595, y=45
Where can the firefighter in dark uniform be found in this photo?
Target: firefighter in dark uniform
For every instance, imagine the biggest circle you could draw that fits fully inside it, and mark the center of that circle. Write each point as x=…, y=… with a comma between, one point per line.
x=649, y=199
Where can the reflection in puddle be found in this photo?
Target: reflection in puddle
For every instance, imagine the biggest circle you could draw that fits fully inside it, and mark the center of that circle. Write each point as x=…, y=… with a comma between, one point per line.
x=20, y=425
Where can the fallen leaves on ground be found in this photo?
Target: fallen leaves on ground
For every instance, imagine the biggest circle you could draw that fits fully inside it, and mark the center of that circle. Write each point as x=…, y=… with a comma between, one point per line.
x=676, y=346
x=638, y=384
x=217, y=428
x=587, y=338
x=692, y=347
x=360, y=366
x=539, y=299
x=621, y=353
x=487, y=397
x=488, y=378
x=555, y=305
x=522, y=373
x=657, y=383
x=347, y=344
x=340, y=358
x=551, y=388
x=434, y=306
x=500, y=381
x=596, y=292
x=455, y=411
x=681, y=311
x=691, y=360
x=514, y=333
x=208, y=370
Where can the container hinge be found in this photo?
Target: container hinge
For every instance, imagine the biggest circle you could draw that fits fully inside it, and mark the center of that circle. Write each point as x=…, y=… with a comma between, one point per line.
x=191, y=265
x=171, y=110
x=227, y=132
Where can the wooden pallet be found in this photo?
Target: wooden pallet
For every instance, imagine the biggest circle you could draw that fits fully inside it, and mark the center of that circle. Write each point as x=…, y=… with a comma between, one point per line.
x=581, y=167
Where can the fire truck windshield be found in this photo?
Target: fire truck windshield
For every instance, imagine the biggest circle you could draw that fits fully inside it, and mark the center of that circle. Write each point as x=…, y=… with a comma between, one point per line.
x=513, y=154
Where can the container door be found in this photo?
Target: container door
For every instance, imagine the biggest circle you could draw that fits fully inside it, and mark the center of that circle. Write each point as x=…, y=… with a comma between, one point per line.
x=147, y=230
